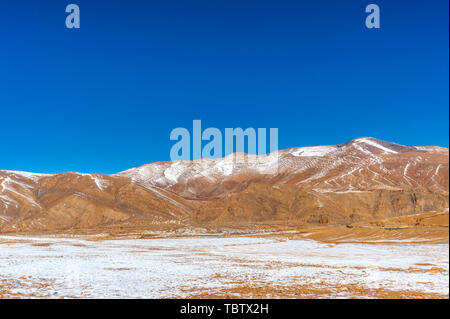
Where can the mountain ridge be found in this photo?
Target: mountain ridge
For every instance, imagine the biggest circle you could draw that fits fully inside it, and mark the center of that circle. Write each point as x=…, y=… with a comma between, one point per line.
x=359, y=180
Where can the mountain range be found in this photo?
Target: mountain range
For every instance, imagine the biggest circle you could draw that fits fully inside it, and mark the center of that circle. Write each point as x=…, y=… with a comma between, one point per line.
x=361, y=180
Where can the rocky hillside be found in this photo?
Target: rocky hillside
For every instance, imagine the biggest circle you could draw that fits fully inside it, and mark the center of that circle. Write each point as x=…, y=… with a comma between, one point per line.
x=360, y=180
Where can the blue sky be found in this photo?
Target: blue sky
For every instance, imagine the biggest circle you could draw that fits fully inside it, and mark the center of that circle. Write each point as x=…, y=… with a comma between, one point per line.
x=105, y=97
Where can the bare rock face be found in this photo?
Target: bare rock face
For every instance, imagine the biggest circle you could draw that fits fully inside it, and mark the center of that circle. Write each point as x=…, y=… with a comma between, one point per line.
x=263, y=204
x=361, y=180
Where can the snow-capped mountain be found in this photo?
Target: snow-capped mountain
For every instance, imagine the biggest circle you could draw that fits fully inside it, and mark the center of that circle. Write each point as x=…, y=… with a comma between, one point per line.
x=358, y=180
x=359, y=165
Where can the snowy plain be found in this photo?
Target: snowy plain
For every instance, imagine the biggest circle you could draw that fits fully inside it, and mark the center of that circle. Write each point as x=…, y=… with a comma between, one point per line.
x=174, y=267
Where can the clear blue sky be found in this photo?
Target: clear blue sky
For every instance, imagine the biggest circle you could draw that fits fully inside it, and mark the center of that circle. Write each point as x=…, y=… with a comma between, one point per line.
x=105, y=97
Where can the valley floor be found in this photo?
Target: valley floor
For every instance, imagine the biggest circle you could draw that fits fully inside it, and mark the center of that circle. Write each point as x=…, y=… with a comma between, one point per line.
x=295, y=264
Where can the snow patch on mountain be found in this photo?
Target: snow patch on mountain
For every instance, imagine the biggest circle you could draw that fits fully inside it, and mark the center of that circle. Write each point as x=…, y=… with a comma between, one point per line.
x=313, y=151
x=225, y=166
x=174, y=172
x=4, y=187
x=33, y=176
x=101, y=183
x=374, y=144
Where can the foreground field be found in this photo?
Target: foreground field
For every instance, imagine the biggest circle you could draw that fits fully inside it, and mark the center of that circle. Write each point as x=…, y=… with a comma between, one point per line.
x=275, y=265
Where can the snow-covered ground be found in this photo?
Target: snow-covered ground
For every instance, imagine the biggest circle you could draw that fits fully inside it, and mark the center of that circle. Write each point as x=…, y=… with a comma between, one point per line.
x=175, y=267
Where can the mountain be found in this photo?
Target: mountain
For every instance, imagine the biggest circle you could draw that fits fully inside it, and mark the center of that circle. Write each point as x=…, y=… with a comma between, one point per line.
x=360, y=165
x=360, y=180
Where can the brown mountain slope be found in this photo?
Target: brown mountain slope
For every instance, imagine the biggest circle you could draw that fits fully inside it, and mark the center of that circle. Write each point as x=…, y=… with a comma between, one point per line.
x=361, y=180
x=291, y=205
x=82, y=201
